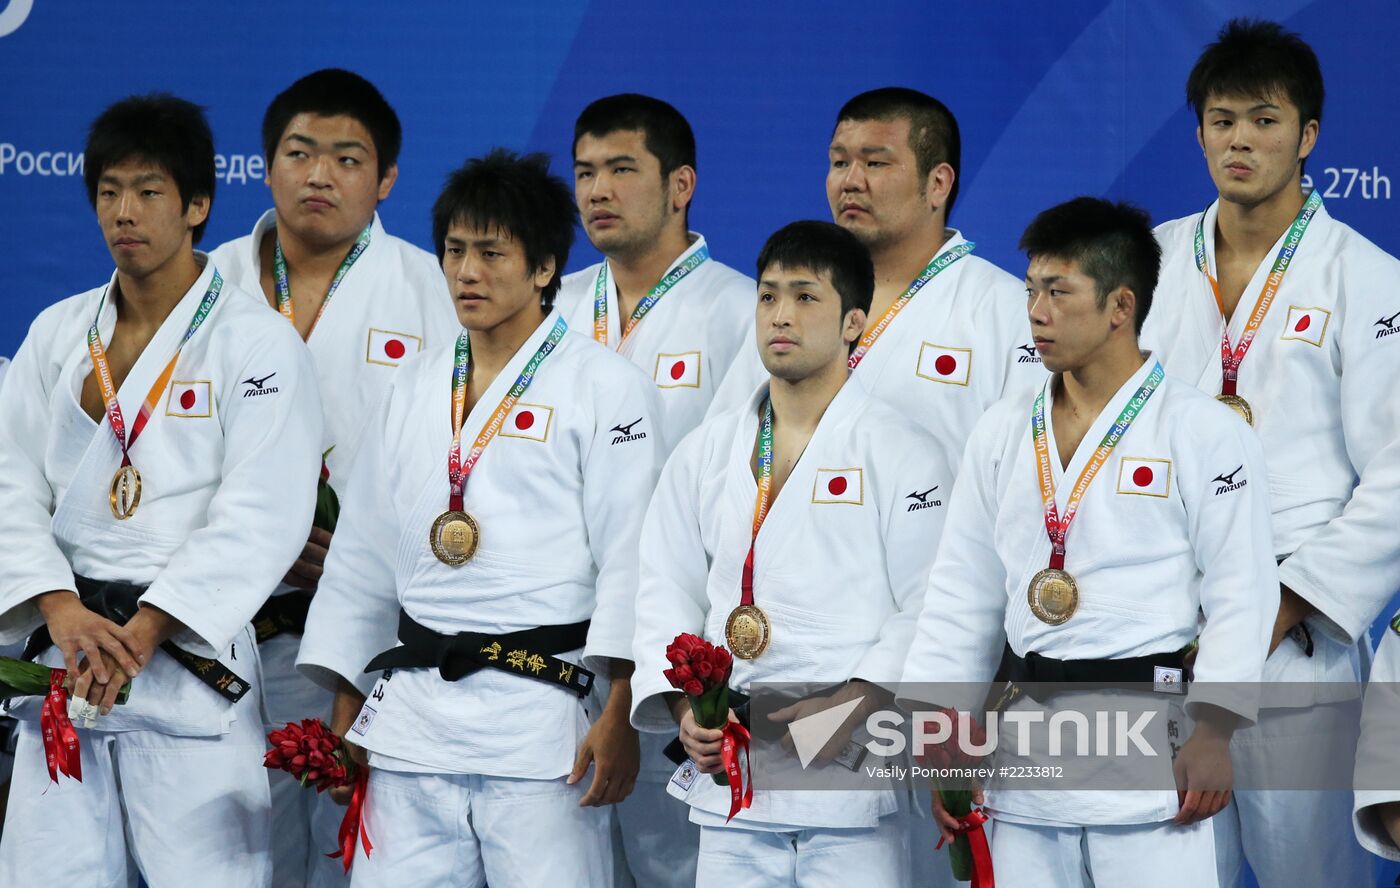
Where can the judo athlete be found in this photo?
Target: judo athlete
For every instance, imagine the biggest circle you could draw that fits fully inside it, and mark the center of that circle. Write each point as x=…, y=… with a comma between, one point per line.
x=1089, y=531
x=151, y=504
x=365, y=302
x=946, y=335
x=797, y=531
x=1282, y=312
x=484, y=570
x=660, y=300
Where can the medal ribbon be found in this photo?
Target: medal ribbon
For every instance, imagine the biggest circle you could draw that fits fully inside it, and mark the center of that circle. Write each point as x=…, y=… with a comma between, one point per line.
x=104, y=372
x=760, y=506
x=457, y=468
x=663, y=286
x=939, y=262
x=735, y=744
x=1056, y=528
x=1232, y=357
x=981, y=852
x=352, y=824
x=60, y=737
x=284, y=284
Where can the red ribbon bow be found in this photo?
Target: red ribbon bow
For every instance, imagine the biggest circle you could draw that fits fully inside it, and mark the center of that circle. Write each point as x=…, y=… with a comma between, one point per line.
x=352, y=825
x=60, y=737
x=736, y=741
x=971, y=825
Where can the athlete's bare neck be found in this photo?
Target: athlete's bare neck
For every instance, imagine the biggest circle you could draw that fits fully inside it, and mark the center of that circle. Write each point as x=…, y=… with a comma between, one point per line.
x=800, y=404
x=143, y=303
x=1090, y=387
x=493, y=348
x=636, y=273
x=1250, y=230
x=897, y=264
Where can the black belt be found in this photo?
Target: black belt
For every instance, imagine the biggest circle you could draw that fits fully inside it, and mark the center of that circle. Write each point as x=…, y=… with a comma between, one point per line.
x=528, y=652
x=118, y=602
x=282, y=614
x=1034, y=673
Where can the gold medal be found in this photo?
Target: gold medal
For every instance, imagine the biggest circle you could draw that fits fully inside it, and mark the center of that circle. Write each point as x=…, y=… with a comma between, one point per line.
x=748, y=632
x=453, y=537
x=1053, y=596
x=125, y=495
x=1239, y=405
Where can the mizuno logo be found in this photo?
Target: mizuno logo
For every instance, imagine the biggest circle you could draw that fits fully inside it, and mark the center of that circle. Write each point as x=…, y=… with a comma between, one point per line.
x=258, y=386
x=624, y=432
x=1387, y=326
x=1030, y=356
x=1228, y=483
x=922, y=500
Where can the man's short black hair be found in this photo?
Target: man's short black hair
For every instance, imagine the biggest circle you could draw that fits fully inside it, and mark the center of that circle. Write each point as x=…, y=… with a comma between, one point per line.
x=517, y=195
x=332, y=92
x=1110, y=242
x=666, y=132
x=933, y=130
x=159, y=129
x=824, y=248
x=1257, y=59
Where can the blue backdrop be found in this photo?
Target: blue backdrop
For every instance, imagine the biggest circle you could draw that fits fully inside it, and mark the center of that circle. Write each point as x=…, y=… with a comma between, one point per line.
x=1054, y=100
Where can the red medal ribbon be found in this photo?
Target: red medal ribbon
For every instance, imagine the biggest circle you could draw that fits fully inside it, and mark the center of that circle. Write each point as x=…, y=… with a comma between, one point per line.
x=735, y=742
x=60, y=737
x=761, y=504
x=352, y=825
x=971, y=826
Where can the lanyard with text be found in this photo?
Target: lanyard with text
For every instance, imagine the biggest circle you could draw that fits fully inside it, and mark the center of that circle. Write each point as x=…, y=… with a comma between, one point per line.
x=663, y=286
x=1232, y=357
x=1056, y=527
x=457, y=468
x=747, y=629
x=126, y=484
x=284, y=284
x=872, y=333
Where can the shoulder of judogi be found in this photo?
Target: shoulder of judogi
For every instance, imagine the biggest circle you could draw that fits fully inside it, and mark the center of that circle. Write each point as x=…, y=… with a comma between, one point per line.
x=1367, y=272
x=576, y=288
x=75, y=313
x=237, y=261
x=1178, y=235
x=596, y=369
x=1204, y=440
x=898, y=451
x=718, y=278
x=420, y=270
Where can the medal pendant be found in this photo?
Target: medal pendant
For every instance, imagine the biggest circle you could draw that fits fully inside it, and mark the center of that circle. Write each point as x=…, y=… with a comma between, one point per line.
x=453, y=537
x=125, y=494
x=748, y=632
x=1239, y=405
x=1053, y=596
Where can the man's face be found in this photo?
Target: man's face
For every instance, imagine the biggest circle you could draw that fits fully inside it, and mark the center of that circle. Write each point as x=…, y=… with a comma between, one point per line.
x=623, y=199
x=1253, y=145
x=1068, y=326
x=800, y=326
x=873, y=182
x=138, y=207
x=490, y=279
x=325, y=180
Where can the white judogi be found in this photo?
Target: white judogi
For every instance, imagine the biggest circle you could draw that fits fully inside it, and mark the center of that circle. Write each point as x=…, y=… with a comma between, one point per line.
x=558, y=480
x=391, y=304
x=1378, y=755
x=685, y=343
x=1158, y=539
x=205, y=538
x=858, y=514
x=958, y=346
x=1318, y=376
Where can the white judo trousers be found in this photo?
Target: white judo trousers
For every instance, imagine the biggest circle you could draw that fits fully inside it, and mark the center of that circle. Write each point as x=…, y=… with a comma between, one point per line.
x=391, y=304
x=685, y=343
x=465, y=830
x=874, y=857
x=135, y=785
x=1146, y=855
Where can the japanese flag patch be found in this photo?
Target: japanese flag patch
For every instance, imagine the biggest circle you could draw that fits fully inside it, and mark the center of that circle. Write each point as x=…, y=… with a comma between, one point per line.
x=1306, y=324
x=839, y=486
x=942, y=363
x=1145, y=477
x=188, y=399
x=389, y=348
x=528, y=421
x=677, y=371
